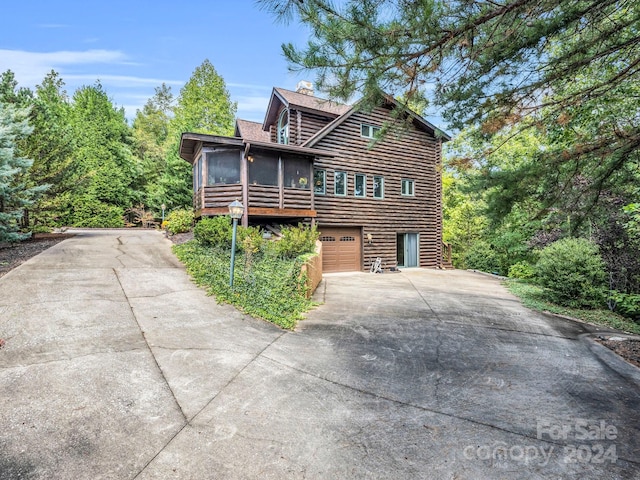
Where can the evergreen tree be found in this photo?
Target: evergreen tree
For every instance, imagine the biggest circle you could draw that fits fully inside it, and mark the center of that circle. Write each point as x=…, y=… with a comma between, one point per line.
x=10, y=93
x=203, y=106
x=14, y=195
x=566, y=68
x=51, y=146
x=105, y=169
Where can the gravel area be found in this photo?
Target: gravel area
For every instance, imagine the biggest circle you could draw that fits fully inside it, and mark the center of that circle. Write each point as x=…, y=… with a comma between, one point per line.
x=13, y=255
x=627, y=348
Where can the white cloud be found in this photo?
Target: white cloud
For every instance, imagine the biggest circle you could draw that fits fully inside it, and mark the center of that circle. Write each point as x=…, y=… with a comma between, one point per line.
x=31, y=67
x=52, y=25
x=122, y=80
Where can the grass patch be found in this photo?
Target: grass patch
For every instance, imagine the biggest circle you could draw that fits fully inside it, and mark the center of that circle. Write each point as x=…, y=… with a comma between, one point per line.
x=265, y=285
x=532, y=296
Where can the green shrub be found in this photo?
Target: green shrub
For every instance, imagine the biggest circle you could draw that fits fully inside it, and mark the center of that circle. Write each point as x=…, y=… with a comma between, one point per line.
x=92, y=213
x=297, y=241
x=218, y=232
x=179, y=221
x=626, y=304
x=40, y=229
x=482, y=257
x=214, y=231
x=573, y=273
x=521, y=270
x=268, y=286
x=249, y=239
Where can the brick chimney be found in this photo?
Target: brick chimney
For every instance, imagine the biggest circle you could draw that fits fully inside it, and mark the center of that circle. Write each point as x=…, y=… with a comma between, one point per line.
x=304, y=87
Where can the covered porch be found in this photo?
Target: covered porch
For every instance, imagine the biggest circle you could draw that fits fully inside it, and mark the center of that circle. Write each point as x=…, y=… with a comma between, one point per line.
x=273, y=181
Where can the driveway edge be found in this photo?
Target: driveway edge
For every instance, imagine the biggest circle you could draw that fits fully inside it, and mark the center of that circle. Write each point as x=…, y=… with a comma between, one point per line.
x=612, y=359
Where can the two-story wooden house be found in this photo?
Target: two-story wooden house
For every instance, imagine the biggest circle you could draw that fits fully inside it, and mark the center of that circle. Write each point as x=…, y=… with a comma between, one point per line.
x=313, y=160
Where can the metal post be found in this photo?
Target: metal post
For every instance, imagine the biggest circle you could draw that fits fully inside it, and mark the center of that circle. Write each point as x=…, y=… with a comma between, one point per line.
x=233, y=251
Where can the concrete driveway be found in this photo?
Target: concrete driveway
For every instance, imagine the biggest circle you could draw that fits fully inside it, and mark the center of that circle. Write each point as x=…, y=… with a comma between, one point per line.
x=117, y=366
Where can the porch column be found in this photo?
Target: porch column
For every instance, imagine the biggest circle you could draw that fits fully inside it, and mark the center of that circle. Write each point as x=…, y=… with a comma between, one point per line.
x=244, y=181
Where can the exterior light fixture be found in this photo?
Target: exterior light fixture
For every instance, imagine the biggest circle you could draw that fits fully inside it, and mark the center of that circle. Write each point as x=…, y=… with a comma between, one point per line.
x=163, y=207
x=236, y=209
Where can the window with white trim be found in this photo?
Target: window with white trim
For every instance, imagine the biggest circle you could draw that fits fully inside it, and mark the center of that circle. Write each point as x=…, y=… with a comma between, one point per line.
x=369, y=131
x=340, y=184
x=378, y=186
x=408, y=187
x=360, y=185
x=283, y=127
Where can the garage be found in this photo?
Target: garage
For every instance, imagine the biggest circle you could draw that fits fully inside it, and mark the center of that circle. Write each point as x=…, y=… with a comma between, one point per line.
x=341, y=249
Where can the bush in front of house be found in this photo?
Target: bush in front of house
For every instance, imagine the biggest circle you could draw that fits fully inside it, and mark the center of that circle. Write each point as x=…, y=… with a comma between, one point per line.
x=297, y=241
x=218, y=232
x=214, y=231
x=267, y=286
x=572, y=272
x=179, y=221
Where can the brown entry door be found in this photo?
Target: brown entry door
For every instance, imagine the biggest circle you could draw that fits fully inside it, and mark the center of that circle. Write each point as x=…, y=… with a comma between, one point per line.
x=341, y=249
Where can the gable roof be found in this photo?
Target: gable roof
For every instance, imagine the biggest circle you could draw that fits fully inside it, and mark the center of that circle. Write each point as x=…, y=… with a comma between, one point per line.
x=251, y=131
x=417, y=120
x=300, y=101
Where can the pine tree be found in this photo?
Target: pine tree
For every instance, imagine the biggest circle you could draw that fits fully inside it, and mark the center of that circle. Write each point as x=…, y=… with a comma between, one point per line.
x=567, y=70
x=14, y=195
x=51, y=146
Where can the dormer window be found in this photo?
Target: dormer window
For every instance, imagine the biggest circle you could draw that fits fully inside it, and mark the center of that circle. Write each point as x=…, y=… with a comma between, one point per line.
x=283, y=127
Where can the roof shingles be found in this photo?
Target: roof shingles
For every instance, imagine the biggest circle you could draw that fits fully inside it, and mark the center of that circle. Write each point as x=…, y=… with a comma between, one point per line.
x=312, y=102
x=251, y=131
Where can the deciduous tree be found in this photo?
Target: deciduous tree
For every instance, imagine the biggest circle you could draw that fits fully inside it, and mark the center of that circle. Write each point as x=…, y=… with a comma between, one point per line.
x=203, y=106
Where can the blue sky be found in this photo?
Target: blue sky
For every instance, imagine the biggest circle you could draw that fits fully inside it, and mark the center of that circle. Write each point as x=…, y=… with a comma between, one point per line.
x=134, y=46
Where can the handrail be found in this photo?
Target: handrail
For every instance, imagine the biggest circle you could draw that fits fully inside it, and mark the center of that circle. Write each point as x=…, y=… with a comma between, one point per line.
x=446, y=252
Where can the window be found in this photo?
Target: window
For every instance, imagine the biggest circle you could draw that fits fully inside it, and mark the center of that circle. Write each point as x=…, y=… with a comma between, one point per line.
x=340, y=185
x=407, y=187
x=378, y=187
x=283, y=127
x=369, y=131
x=319, y=182
x=197, y=174
x=360, y=185
x=296, y=172
x=223, y=167
x=263, y=170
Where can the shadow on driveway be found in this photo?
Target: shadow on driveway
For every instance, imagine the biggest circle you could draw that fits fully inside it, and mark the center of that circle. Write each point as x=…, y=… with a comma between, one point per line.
x=117, y=366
